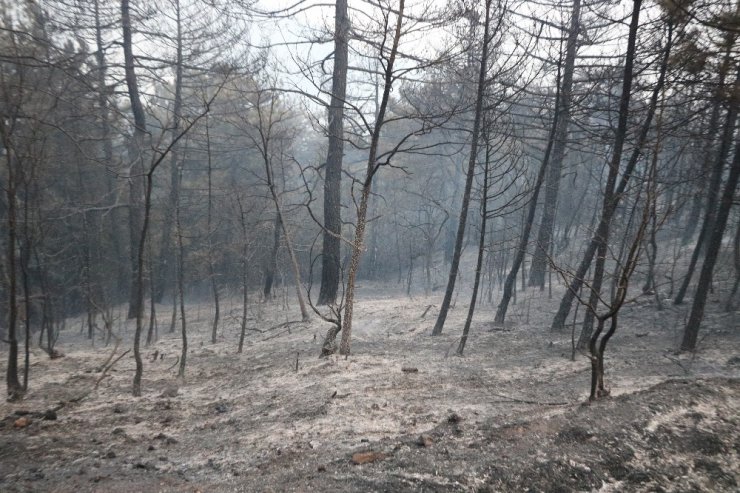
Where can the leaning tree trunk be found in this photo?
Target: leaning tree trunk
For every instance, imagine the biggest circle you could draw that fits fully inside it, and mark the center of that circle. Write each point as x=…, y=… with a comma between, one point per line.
x=280, y=221
x=547, y=225
x=455, y=263
x=503, y=305
x=481, y=251
x=712, y=197
x=691, y=332
x=729, y=306
x=612, y=197
x=330, y=258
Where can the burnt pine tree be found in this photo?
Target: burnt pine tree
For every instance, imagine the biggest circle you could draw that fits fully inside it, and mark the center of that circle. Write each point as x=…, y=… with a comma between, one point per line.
x=691, y=332
x=610, y=207
x=612, y=195
x=136, y=297
x=560, y=141
x=510, y=281
x=459, y=239
x=481, y=248
x=330, y=259
x=136, y=156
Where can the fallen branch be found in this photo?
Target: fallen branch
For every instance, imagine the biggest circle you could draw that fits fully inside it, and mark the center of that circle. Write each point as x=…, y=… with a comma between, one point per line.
x=110, y=357
x=107, y=368
x=525, y=401
x=177, y=360
x=284, y=324
x=426, y=311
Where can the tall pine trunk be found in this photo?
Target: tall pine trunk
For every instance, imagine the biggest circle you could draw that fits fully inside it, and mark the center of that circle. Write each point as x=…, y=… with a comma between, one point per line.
x=330, y=259
x=547, y=225
x=691, y=331
x=613, y=196
x=459, y=239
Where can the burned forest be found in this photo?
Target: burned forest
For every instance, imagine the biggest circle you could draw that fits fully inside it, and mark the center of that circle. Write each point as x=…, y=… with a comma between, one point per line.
x=370, y=245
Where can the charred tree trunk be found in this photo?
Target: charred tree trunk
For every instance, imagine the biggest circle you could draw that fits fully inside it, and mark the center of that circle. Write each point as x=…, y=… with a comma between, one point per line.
x=163, y=268
x=330, y=258
x=691, y=332
x=712, y=197
x=729, y=306
x=455, y=263
x=14, y=388
x=509, y=283
x=481, y=251
x=116, y=220
x=245, y=274
x=181, y=292
x=271, y=265
x=371, y=169
x=209, y=235
x=137, y=231
x=612, y=197
x=560, y=141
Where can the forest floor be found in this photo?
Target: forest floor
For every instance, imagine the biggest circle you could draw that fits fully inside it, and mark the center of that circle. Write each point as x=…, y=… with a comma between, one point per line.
x=508, y=416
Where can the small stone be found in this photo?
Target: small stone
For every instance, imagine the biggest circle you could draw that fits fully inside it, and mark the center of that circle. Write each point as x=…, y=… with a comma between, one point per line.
x=424, y=441
x=409, y=369
x=119, y=409
x=110, y=454
x=454, y=418
x=321, y=468
x=22, y=422
x=367, y=457
x=118, y=431
x=49, y=415
x=151, y=447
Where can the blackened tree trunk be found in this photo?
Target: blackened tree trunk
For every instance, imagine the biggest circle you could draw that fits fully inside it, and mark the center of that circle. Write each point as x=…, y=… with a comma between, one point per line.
x=330, y=259
x=115, y=215
x=136, y=174
x=603, y=240
x=209, y=236
x=459, y=239
x=547, y=225
x=181, y=291
x=271, y=265
x=612, y=197
x=711, y=212
x=729, y=306
x=14, y=389
x=137, y=255
x=691, y=331
x=509, y=286
x=163, y=268
x=481, y=251
x=370, y=170
x=245, y=272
